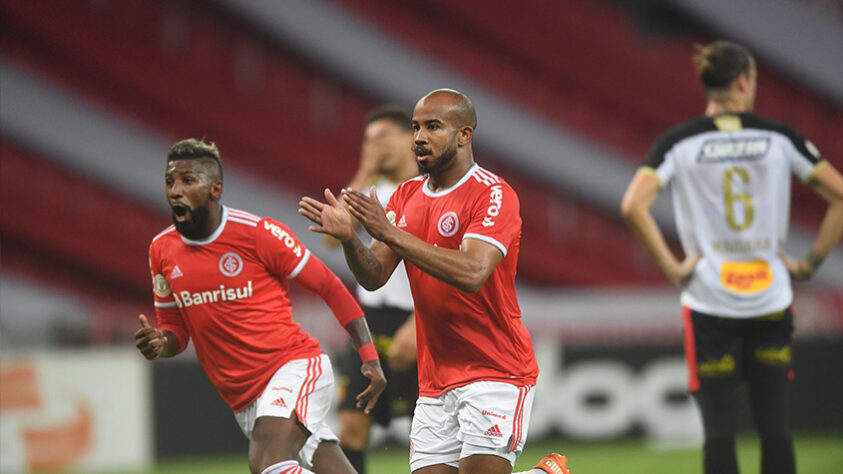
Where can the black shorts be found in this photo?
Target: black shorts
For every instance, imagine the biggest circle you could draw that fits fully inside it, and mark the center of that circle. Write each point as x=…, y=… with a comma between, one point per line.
x=724, y=350
x=402, y=389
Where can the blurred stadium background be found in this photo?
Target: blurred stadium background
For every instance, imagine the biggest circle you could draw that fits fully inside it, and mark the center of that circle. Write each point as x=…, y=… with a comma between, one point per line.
x=569, y=93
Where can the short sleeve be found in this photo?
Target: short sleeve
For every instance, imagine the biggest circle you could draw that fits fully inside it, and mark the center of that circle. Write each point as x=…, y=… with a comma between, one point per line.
x=162, y=295
x=659, y=160
x=279, y=249
x=166, y=309
x=395, y=204
x=805, y=157
x=495, y=217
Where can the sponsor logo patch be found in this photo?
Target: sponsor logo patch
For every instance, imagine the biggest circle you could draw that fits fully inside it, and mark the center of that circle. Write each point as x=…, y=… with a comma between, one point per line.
x=448, y=224
x=284, y=237
x=176, y=272
x=390, y=216
x=495, y=207
x=402, y=222
x=494, y=431
x=231, y=264
x=723, y=366
x=160, y=286
x=722, y=150
x=186, y=298
x=746, y=277
x=279, y=403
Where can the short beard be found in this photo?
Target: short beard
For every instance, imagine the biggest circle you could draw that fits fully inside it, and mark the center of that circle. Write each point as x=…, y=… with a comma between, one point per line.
x=446, y=158
x=197, y=227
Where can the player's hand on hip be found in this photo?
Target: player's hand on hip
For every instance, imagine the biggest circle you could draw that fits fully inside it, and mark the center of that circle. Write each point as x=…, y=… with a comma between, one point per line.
x=368, y=211
x=683, y=272
x=149, y=340
x=799, y=270
x=330, y=216
x=377, y=383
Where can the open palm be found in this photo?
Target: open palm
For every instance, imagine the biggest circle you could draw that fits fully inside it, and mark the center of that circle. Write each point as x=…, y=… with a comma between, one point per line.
x=330, y=217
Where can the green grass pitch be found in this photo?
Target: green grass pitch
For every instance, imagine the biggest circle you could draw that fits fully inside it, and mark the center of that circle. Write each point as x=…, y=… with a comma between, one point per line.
x=815, y=454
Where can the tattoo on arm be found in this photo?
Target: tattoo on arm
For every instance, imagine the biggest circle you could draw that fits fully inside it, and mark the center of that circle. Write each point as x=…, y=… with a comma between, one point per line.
x=814, y=260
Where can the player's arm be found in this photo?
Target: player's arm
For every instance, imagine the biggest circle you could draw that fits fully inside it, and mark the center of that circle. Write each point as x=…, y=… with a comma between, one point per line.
x=828, y=184
x=317, y=278
x=466, y=268
x=635, y=208
x=373, y=265
x=403, y=351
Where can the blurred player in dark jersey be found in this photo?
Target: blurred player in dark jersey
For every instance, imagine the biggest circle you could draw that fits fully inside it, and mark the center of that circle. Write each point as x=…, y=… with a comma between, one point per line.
x=220, y=278
x=458, y=229
x=730, y=172
x=386, y=160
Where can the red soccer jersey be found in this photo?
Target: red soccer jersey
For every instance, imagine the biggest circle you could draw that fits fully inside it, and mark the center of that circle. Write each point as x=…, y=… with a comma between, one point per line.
x=463, y=337
x=229, y=294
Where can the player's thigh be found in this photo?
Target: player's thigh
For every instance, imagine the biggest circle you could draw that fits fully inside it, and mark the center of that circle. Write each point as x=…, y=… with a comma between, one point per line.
x=485, y=464
x=714, y=349
x=437, y=469
x=354, y=429
x=769, y=371
x=275, y=439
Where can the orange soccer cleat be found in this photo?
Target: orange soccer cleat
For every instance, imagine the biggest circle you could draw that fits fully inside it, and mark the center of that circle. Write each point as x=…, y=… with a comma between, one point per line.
x=553, y=464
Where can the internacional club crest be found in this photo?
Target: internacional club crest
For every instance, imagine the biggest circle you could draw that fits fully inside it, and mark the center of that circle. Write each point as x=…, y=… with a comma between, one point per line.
x=231, y=264
x=448, y=224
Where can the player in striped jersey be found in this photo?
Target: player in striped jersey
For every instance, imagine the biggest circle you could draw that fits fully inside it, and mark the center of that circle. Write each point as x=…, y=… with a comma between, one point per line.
x=220, y=277
x=730, y=172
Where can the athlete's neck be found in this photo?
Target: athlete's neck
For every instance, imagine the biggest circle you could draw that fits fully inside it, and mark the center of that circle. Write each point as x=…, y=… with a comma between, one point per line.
x=452, y=174
x=728, y=106
x=214, y=220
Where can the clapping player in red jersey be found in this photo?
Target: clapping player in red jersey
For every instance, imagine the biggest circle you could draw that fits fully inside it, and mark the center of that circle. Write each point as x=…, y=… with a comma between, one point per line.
x=220, y=277
x=458, y=229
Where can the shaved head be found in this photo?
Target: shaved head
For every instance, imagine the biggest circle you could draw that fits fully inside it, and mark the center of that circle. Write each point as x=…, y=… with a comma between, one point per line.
x=461, y=110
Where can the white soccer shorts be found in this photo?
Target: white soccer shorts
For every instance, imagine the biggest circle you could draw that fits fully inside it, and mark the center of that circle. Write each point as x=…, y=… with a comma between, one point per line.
x=479, y=418
x=303, y=385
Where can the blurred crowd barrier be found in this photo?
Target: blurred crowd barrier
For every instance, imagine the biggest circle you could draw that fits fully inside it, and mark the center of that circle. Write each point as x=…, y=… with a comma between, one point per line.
x=85, y=409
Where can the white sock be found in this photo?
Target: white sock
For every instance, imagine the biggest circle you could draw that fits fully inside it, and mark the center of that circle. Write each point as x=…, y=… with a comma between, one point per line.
x=286, y=467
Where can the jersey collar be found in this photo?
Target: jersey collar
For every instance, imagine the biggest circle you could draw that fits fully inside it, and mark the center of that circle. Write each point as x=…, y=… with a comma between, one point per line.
x=213, y=236
x=445, y=191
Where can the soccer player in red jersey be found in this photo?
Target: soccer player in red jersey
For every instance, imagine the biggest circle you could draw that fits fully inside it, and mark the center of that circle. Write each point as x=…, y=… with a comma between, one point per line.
x=220, y=278
x=458, y=230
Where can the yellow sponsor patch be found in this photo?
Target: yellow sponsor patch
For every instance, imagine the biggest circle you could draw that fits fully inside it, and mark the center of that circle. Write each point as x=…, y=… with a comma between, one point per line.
x=773, y=355
x=728, y=123
x=746, y=277
x=722, y=366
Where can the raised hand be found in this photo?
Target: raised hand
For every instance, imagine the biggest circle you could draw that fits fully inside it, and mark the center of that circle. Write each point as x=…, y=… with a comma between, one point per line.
x=149, y=340
x=377, y=383
x=368, y=211
x=330, y=217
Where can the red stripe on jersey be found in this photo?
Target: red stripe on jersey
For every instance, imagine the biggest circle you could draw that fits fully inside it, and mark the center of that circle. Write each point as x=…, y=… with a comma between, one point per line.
x=487, y=176
x=517, y=421
x=303, y=393
x=243, y=215
x=242, y=221
x=690, y=351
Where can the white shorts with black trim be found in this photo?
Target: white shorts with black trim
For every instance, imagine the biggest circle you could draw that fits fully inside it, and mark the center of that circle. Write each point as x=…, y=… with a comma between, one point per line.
x=303, y=385
x=480, y=418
